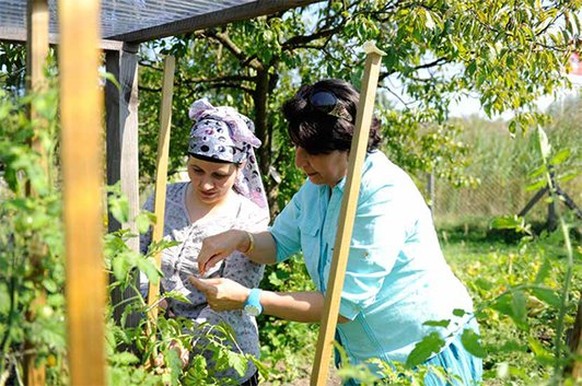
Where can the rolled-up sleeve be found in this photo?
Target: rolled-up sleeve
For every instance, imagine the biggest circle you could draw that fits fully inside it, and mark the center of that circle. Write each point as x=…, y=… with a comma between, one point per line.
x=285, y=230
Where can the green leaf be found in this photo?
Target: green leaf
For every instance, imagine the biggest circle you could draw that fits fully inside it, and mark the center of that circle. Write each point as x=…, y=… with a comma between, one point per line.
x=548, y=296
x=197, y=372
x=174, y=363
x=50, y=285
x=542, y=355
x=148, y=267
x=4, y=299
x=507, y=222
x=543, y=272
x=237, y=362
x=560, y=157
x=177, y=296
x=437, y=323
x=119, y=208
x=120, y=267
x=483, y=283
x=430, y=344
x=470, y=340
x=519, y=308
x=123, y=358
x=143, y=221
x=544, y=143
x=110, y=77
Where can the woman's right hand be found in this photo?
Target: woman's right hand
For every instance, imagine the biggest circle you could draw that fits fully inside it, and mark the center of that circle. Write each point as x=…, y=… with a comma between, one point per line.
x=219, y=247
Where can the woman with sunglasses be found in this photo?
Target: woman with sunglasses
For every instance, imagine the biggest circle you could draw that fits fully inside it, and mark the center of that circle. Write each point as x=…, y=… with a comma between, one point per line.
x=224, y=191
x=398, y=288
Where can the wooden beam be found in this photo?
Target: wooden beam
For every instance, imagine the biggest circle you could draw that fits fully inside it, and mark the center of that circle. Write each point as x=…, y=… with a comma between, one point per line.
x=37, y=52
x=162, y=174
x=347, y=216
x=121, y=107
x=113, y=126
x=118, y=153
x=19, y=35
x=212, y=19
x=81, y=155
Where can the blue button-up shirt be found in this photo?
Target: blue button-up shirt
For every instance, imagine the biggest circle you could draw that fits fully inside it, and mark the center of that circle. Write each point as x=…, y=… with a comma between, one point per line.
x=396, y=278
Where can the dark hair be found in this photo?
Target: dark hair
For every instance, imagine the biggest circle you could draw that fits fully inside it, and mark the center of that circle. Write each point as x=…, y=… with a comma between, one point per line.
x=212, y=159
x=319, y=132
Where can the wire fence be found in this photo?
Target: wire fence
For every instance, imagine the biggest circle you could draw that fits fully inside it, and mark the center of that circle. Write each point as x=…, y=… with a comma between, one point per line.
x=496, y=195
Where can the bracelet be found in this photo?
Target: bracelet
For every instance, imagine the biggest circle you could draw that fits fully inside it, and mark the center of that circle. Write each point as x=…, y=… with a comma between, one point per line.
x=251, y=243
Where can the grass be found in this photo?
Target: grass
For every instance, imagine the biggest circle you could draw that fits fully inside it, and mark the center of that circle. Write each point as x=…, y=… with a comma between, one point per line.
x=520, y=350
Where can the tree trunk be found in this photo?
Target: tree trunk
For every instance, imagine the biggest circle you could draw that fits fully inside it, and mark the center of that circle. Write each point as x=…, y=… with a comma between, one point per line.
x=264, y=133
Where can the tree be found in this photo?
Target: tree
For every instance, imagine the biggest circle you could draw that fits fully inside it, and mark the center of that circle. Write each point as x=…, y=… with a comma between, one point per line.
x=508, y=53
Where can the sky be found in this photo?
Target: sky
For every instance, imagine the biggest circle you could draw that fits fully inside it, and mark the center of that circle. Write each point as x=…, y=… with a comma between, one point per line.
x=470, y=105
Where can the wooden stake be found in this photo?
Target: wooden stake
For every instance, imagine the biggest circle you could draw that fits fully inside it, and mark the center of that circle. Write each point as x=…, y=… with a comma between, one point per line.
x=81, y=155
x=37, y=53
x=162, y=174
x=347, y=215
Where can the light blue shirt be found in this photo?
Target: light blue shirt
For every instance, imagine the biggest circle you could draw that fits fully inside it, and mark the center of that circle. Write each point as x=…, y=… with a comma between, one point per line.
x=396, y=276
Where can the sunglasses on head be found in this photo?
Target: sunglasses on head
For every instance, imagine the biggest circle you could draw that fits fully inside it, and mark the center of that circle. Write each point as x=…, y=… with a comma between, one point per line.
x=328, y=103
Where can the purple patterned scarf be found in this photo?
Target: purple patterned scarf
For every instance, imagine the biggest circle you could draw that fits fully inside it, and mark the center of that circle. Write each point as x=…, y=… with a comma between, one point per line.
x=223, y=133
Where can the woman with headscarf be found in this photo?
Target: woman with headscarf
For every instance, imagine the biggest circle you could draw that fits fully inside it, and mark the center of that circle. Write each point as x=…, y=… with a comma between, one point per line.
x=224, y=192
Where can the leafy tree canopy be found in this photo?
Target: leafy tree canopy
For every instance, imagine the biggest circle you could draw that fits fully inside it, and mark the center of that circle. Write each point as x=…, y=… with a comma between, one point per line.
x=507, y=53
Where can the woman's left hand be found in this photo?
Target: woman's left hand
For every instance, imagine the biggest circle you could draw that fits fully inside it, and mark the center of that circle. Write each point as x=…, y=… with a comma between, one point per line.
x=222, y=294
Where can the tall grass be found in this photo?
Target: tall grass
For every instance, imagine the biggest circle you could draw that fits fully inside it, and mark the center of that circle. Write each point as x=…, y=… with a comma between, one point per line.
x=503, y=164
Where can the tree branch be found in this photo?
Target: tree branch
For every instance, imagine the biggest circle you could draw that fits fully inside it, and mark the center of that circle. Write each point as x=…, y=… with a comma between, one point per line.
x=223, y=39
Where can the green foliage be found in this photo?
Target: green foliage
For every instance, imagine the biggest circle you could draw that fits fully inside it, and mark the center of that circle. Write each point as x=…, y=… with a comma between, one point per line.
x=12, y=66
x=509, y=169
x=173, y=351
x=32, y=275
x=287, y=347
x=31, y=241
x=506, y=53
x=427, y=347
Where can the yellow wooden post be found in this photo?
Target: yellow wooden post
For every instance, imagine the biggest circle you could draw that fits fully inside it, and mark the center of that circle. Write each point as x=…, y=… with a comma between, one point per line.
x=37, y=52
x=162, y=173
x=347, y=215
x=81, y=156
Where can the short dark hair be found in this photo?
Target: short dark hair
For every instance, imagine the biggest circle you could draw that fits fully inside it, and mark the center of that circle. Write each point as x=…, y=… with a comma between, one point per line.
x=321, y=133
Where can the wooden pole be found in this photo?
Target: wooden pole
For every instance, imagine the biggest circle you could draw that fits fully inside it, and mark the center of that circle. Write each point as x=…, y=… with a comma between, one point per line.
x=37, y=43
x=121, y=106
x=81, y=156
x=162, y=174
x=128, y=135
x=37, y=53
x=347, y=215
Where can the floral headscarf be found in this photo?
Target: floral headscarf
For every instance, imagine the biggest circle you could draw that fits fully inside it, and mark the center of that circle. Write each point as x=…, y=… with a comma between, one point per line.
x=223, y=133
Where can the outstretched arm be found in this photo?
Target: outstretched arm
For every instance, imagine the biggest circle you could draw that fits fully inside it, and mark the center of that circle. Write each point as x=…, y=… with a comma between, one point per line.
x=225, y=294
x=218, y=247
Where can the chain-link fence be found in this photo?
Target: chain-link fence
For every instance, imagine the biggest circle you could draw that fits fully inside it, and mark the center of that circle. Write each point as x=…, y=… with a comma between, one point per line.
x=496, y=195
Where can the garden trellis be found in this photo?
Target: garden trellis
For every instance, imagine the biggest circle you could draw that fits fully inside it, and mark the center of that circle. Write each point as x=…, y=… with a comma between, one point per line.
x=116, y=27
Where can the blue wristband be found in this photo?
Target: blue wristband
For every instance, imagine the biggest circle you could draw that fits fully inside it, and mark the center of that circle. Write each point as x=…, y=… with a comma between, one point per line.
x=252, y=305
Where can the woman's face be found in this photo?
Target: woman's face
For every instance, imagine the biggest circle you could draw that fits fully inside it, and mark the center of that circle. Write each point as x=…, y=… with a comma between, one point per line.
x=322, y=169
x=211, y=181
